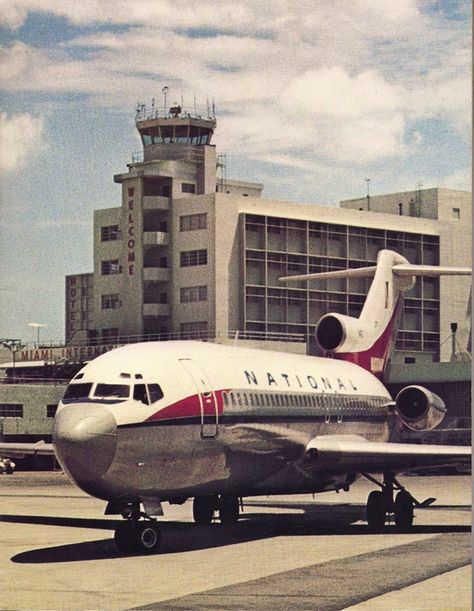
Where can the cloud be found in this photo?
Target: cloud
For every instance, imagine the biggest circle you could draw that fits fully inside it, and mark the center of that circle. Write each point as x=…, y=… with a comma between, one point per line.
x=332, y=92
x=291, y=81
x=21, y=135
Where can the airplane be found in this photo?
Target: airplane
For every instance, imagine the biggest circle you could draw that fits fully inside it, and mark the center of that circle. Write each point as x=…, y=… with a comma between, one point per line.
x=167, y=421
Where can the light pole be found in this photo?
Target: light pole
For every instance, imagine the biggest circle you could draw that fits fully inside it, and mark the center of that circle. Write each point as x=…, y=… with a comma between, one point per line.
x=37, y=326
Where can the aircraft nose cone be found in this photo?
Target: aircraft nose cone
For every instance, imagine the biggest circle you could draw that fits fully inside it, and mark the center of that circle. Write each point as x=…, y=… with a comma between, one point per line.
x=85, y=440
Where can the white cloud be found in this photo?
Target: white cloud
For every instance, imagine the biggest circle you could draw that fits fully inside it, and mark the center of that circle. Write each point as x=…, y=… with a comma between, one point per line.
x=21, y=135
x=332, y=92
x=339, y=81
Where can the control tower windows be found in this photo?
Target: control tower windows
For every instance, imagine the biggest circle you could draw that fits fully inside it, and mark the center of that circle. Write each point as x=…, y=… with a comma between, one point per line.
x=178, y=134
x=181, y=134
x=167, y=133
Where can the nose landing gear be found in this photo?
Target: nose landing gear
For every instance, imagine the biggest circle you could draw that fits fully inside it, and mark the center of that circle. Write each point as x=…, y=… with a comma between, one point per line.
x=135, y=535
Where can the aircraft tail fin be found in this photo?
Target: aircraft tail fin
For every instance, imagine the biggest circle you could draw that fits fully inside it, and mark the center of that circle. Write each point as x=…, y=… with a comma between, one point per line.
x=368, y=340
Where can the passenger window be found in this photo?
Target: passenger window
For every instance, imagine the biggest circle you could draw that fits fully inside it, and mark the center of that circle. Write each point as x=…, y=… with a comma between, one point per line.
x=155, y=392
x=139, y=393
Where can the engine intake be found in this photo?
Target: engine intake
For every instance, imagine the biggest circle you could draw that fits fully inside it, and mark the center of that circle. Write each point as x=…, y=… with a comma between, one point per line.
x=338, y=333
x=419, y=408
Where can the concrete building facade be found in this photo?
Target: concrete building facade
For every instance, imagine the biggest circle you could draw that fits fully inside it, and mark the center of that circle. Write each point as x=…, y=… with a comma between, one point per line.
x=189, y=254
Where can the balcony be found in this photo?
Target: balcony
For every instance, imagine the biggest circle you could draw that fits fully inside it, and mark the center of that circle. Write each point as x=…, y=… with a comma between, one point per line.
x=155, y=202
x=156, y=238
x=156, y=309
x=156, y=274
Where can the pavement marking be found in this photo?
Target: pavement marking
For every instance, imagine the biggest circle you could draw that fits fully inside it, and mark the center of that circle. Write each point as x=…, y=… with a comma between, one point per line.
x=336, y=584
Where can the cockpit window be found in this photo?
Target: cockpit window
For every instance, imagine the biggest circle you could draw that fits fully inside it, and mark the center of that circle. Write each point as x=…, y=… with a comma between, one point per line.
x=155, y=392
x=78, y=391
x=112, y=391
x=139, y=393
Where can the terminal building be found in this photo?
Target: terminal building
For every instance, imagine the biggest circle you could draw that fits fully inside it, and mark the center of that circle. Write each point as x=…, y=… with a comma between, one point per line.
x=189, y=253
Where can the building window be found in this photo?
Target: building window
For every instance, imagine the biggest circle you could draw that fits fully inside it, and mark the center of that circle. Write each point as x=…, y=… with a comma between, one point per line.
x=191, y=330
x=191, y=258
x=107, y=268
x=131, y=191
x=456, y=213
x=110, y=233
x=11, y=410
x=51, y=411
x=190, y=294
x=190, y=222
x=187, y=187
x=110, y=334
x=110, y=302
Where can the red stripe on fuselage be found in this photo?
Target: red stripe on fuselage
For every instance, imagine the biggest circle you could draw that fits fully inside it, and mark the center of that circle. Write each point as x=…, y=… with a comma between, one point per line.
x=190, y=407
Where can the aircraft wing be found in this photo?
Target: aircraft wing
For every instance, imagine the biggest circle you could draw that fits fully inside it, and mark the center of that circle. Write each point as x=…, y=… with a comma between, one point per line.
x=20, y=450
x=352, y=453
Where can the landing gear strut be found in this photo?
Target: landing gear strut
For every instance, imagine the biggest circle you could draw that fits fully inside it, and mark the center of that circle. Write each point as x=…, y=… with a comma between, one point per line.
x=381, y=504
x=135, y=535
x=204, y=508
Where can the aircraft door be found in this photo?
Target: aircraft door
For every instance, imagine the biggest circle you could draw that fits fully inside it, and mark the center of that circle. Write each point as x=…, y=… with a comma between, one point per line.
x=207, y=398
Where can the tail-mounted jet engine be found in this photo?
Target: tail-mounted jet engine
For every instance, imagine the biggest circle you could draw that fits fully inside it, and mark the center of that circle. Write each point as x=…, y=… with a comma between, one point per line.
x=419, y=408
x=339, y=333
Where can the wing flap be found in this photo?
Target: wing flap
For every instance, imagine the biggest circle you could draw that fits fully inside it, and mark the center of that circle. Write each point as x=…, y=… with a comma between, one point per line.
x=352, y=453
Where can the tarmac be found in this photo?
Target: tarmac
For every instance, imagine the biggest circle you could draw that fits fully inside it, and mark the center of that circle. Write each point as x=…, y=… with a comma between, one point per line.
x=286, y=552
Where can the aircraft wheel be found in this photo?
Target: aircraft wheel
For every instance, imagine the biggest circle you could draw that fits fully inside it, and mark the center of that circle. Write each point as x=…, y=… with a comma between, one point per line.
x=203, y=509
x=148, y=537
x=138, y=537
x=403, y=510
x=228, y=509
x=376, y=510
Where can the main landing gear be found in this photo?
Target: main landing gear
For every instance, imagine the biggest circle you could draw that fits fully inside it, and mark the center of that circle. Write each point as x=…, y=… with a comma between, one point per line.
x=204, y=508
x=135, y=535
x=381, y=504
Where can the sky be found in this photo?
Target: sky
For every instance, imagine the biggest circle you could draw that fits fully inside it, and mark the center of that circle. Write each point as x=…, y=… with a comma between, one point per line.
x=311, y=99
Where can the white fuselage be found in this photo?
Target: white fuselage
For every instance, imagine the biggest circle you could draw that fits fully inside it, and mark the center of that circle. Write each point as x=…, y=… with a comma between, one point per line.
x=210, y=419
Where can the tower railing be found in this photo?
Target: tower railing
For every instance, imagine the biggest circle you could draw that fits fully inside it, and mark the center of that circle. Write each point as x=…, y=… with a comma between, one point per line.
x=176, y=111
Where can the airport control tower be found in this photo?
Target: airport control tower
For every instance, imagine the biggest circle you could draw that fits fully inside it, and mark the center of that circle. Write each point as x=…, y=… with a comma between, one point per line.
x=133, y=252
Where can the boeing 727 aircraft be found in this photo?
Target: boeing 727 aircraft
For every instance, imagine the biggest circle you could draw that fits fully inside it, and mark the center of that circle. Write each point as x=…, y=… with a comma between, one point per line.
x=167, y=421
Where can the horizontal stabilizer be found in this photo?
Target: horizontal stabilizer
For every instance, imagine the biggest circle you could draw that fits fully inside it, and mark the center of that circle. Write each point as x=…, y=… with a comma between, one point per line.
x=359, y=272
x=369, y=272
x=430, y=270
